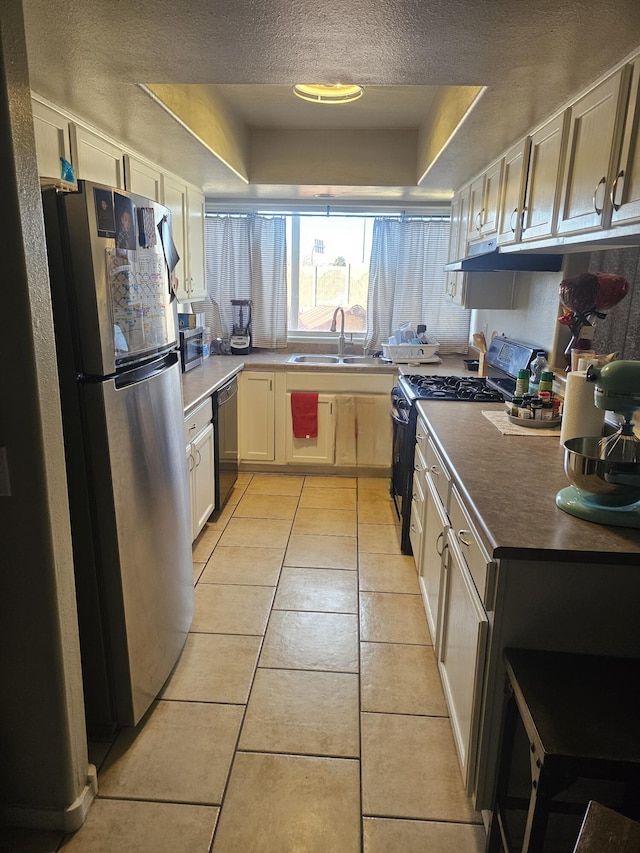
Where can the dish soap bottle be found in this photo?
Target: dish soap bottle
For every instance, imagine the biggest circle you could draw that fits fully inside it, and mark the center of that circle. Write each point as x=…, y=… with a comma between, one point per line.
x=538, y=366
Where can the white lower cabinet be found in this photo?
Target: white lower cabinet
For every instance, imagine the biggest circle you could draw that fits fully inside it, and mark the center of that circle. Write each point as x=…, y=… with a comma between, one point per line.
x=430, y=568
x=462, y=648
x=313, y=451
x=201, y=465
x=256, y=416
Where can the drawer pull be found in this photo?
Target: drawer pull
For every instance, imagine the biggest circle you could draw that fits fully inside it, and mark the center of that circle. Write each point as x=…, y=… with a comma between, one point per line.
x=434, y=470
x=461, y=538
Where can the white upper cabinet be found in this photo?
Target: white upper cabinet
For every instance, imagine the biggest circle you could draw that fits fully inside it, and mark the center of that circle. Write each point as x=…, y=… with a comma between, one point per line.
x=143, y=178
x=187, y=225
x=543, y=182
x=95, y=158
x=491, y=200
x=625, y=188
x=175, y=198
x=476, y=205
x=195, y=240
x=484, y=198
x=593, y=145
x=52, y=140
x=514, y=179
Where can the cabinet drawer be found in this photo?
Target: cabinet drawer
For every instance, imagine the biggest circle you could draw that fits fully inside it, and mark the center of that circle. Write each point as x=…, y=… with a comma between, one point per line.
x=440, y=477
x=422, y=436
x=198, y=419
x=481, y=567
x=415, y=529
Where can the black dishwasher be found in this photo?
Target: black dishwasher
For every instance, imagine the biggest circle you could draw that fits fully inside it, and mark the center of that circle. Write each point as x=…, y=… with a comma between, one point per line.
x=225, y=427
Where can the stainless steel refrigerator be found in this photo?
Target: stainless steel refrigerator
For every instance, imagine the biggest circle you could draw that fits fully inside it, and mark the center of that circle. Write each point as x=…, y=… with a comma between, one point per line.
x=118, y=364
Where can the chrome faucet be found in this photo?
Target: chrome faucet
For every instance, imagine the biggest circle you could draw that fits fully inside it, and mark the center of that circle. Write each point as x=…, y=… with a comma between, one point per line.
x=333, y=328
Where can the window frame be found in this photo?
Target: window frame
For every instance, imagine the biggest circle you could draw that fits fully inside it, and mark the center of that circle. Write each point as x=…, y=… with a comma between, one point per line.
x=357, y=210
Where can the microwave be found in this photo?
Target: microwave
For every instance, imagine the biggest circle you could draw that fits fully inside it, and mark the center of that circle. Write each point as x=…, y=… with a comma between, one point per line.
x=191, y=347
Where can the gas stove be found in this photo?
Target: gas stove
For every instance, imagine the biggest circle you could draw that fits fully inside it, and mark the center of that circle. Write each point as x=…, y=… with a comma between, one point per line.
x=473, y=388
x=504, y=359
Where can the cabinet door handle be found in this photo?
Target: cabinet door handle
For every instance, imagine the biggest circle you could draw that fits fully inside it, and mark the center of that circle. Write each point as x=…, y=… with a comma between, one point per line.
x=461, y=539
x=522, y=225
x=271, y=385
x=440, y=538
x=614, y=187
x=600, y=183
x=478, y=219
x=191, y=462
x=433, y=470
x=514, y=216
x=199, y=457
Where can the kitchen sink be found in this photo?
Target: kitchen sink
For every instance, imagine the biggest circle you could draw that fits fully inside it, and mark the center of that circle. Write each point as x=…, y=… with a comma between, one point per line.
x=310, y=358
x=360, y=359
x=314, y=359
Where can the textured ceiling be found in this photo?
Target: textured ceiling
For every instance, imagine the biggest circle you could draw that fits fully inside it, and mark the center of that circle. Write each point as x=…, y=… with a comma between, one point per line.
x=532, y=57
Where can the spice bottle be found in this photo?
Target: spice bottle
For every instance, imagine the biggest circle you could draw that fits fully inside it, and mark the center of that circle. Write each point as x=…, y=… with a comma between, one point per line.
x=522, y=382
x=546, y=381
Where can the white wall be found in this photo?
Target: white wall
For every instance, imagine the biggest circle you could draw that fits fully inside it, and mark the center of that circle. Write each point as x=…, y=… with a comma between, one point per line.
x=534, y=318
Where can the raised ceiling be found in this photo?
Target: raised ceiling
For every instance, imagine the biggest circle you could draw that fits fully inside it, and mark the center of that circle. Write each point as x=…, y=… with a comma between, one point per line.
x=203, y=88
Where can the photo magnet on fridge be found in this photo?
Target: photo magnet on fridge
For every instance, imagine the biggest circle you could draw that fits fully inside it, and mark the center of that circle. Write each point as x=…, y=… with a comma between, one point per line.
x=104, y=212
x=125, y=222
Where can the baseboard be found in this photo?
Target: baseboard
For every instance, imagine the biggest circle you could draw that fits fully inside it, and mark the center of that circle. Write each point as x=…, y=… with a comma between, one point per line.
x=320, y=470
x=65, y=820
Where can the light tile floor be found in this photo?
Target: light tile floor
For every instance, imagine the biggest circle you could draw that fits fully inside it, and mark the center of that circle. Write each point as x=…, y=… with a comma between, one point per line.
x=306, y=711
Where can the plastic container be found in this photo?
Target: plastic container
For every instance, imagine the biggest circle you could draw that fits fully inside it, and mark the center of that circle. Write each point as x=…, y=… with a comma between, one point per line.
x=537, y=367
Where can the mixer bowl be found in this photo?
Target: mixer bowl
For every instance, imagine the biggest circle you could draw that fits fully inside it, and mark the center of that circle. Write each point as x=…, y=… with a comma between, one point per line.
x=586, y=471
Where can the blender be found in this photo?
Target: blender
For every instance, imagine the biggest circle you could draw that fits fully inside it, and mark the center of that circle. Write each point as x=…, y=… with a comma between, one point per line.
x=605, y=472
x=241, y=333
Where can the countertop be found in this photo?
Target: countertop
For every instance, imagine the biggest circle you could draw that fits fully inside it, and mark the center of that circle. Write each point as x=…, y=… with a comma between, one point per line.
x=509, y=484
x=201, y=382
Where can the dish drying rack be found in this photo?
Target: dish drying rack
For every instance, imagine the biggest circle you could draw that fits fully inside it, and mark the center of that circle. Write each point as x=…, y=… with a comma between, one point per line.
x=410, y=353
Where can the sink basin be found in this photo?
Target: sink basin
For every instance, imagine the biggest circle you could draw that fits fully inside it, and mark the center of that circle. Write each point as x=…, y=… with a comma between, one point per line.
x=314, y=359
x=360, y=359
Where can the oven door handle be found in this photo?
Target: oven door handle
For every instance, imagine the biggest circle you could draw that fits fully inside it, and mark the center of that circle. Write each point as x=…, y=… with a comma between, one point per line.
x=400, y=421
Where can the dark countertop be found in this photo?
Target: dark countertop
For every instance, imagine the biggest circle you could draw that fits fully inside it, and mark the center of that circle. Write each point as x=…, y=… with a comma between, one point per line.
x=509, y=484
x=200, y=382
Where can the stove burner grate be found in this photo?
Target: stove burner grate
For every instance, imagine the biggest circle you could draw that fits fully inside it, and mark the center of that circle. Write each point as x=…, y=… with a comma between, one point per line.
x=450, y=388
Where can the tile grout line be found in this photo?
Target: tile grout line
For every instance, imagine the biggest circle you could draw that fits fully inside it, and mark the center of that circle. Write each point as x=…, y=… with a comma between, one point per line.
x=236, y=749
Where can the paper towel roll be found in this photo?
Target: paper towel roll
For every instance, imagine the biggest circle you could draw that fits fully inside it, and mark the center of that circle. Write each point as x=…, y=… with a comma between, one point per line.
x=580, y=417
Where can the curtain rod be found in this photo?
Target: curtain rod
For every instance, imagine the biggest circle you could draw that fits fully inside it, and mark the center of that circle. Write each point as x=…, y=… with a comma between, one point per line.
x=400, y=217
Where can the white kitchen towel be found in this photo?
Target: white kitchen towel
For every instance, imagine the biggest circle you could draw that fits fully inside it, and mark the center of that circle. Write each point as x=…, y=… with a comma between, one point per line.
x=506, y=427
x=580, y=417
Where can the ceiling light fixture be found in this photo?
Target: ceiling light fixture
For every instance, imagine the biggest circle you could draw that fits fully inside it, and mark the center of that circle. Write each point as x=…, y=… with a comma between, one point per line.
x=335, y=94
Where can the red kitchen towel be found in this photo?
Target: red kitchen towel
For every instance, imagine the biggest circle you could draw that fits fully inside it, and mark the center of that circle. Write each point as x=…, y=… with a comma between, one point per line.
x=304, y=414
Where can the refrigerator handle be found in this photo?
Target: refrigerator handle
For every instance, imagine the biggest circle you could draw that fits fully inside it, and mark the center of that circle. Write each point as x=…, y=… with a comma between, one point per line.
x=145, y=371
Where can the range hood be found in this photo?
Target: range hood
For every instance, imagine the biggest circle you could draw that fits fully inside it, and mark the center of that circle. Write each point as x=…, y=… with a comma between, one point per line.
x=487, y=257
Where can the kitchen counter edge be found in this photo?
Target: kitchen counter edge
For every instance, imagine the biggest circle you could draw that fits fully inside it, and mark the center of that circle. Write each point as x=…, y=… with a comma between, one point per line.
x=509, y=484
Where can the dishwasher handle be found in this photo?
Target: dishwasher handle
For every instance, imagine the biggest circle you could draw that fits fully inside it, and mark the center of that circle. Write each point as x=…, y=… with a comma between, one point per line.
x=224, y=394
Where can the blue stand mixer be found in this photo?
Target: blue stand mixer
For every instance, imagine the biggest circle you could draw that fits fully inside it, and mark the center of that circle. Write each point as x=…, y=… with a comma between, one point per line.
x=605, y=472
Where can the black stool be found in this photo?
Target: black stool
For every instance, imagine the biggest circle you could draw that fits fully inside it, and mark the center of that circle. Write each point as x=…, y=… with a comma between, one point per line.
x=581, y=717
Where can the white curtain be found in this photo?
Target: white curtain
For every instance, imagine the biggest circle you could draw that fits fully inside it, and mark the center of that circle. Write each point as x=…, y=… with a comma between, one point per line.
x=246, y=258
x=407, y=284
